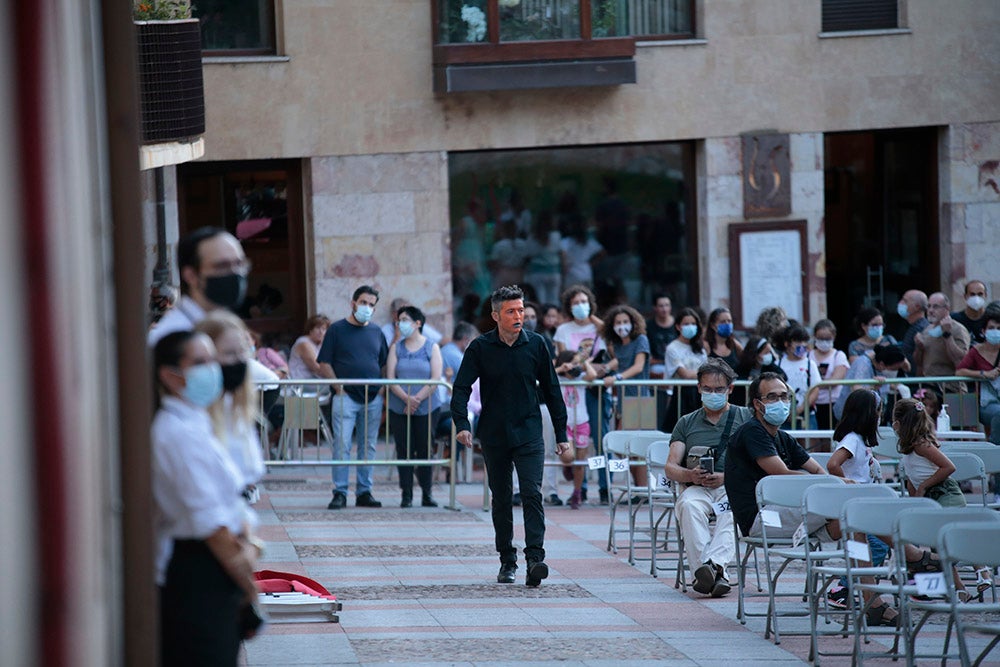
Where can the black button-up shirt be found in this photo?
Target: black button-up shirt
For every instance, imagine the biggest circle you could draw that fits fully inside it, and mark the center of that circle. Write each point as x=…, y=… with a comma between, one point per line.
x=507, y=383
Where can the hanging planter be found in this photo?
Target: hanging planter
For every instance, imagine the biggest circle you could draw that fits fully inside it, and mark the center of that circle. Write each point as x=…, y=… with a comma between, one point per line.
x=171, y=88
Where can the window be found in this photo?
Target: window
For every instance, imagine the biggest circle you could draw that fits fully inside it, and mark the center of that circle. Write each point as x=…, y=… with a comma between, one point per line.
x=844, y=15
x=236, y=27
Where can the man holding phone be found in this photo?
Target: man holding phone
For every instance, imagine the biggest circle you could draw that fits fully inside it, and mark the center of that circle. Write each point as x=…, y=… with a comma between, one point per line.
x=696, y=462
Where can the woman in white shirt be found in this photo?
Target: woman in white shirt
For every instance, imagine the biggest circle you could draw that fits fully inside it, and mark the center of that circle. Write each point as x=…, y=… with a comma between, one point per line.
x=832, y=365
x=684, y=356
x=206, y=556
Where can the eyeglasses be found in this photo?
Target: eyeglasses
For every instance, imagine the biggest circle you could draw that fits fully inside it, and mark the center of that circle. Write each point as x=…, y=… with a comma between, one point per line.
x=712, y=390
x=784, y=397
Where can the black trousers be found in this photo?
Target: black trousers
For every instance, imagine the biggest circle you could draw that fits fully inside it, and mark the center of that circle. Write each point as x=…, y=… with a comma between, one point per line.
x=199, y=610
x=529, y=459
x=417, y=427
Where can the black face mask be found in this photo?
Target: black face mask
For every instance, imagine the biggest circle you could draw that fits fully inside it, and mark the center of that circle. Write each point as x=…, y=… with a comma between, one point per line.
x=233, y=375
x=227, y=291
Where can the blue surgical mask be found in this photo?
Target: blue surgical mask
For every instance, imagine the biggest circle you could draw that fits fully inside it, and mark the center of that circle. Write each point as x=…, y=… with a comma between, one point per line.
x=903, y=310
x=800, y=350
x=714, y=401
x=405, y=328
x=580, y=311
x=992, y=336
x=725, y=330
x=363, y=313
x=875, y=332
x=776, y=413
x=203, y=384
x=689, y=331
x=934, y=331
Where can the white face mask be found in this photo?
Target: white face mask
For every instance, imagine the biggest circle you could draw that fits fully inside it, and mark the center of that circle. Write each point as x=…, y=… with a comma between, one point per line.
x=767, y=359
x=824, y=345
x=976, y=302
x=890, y=373
x=623, y=330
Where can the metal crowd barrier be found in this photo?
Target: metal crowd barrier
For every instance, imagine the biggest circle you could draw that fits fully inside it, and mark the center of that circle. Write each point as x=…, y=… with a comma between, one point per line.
x=307, y=406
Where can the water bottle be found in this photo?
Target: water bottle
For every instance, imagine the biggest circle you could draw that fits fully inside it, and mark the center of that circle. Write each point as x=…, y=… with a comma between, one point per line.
x=944, y=420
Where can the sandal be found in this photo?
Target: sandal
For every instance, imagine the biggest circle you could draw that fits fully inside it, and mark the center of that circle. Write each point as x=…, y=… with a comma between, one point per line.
x=984, y=580
x=876, y=616
x=964, y=596
x=925, y=564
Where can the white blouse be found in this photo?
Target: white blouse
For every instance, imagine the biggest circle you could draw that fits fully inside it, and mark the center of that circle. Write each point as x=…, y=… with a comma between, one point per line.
x=196, y=485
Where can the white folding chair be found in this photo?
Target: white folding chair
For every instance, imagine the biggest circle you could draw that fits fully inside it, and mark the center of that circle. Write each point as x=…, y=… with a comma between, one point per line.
x=662, y=504
x=827, y=501
x=302, y=413
x=775, y=492
x=921, y=527
x=988, y=453
x=969, y=543
x=626, y=445
x=822, y=458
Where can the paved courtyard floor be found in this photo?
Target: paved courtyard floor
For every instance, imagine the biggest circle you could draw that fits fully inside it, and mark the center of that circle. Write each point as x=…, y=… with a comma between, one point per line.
x=417, y=587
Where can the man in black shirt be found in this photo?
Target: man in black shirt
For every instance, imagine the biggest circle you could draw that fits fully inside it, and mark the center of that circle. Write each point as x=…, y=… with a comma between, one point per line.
x=973, y=316
x=509, y=362
x=760, y=448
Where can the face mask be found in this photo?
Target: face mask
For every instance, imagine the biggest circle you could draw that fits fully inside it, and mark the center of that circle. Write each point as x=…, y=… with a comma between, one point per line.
x=363, y=313
x=890, y=373
x=875, y=332
x=934, y=331
x=623, y=330
x=767, y=359
x=724, y=330
x=233, y=375
x=976, y=302
x=227, y=291
x=580, y=311
x=824, y=345
x=529, y=325
x=714, y=401
x=800, y=350
x=776, y=413
x=405, y=328
x=689, y=331
x=203, y=384
x=993, y=336
x=903, y=310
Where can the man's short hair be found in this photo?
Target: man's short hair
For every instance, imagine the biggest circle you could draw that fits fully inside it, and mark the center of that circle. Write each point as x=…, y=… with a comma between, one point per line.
x=975, y=282
x=717, y=367
x=889, y=355
x=754, y=392
x=662, y=295
x=944, y=297
x=365, y=289
x=187, y=250
x=505, y=293
x=464, y=330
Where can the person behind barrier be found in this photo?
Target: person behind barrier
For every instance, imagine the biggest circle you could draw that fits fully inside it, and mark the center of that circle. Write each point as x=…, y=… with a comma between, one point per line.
x=870, y=324
x=973, y=316
x=719, y=338
x=661, y=331
x=353, y=349
x=684, y=356
x=550, y=489
x=698, y=435
x=508, y=362
x=801, y=373
x=832, y=364
x=573, y=366
x=943, y=344
x=913, y=309
x=391, y=331
x=413, y=409
x=888, y=361
x=760, y=448
x=206, y=555
x=981, y=362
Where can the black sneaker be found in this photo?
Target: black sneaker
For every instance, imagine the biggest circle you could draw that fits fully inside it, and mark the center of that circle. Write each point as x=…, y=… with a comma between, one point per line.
x=366, y=500
x=339, y=501
x=837, y=597
x=515, y=500
x=428, y=501
x=604, y=496
x=507, y=573
x=537, y=571
x=553, y=500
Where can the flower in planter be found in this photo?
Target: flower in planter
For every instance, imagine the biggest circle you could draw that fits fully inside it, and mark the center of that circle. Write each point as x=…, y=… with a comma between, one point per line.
x=509, y=3
x=476, y=20
x=161, y=10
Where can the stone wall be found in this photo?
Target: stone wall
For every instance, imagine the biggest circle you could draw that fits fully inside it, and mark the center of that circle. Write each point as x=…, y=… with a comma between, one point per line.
x=969, y=181
x=381, y=220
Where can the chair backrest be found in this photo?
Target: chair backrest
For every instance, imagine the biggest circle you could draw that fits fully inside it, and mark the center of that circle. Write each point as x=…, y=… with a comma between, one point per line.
x=887, y=440
x=876, y=516
x=970, y=543
x=616, y=442
x=921, y=526
x=787, y=490
x=657, y=453
x=821, y=458
x=301, y=412
x=827, y=500
x=967, y=466
x=990, y=454
x=640, y=441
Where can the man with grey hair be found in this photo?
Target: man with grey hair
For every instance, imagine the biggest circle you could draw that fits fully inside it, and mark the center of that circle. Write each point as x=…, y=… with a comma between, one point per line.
x=912, y=308
x=510, y=363
x=696, y=463
x=941, y=346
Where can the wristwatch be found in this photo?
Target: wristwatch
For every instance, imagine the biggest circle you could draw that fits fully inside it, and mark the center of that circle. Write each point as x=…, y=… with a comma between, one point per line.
x=618, y=376
x=946, y=334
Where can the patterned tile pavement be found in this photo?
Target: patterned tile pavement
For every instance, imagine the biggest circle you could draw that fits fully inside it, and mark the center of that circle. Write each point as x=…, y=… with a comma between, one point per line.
x=418, y=588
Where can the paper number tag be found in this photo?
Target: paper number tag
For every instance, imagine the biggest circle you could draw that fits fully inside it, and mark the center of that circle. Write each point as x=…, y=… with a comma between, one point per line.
x=618, y=465
x=721, y=507
x=596, y=462
x=859, y=550
x=770, y=518
x=663, y=481
x=930, y=584
x=798, y=535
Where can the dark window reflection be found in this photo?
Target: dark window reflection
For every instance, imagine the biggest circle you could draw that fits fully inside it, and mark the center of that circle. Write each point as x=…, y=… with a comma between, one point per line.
x=236, y=25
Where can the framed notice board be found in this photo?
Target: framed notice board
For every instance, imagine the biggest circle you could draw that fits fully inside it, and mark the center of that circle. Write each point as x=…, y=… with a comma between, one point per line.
x=767, y=268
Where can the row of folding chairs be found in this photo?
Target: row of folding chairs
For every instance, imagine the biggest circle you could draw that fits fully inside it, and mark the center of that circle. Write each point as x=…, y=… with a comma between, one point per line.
x=863, y=510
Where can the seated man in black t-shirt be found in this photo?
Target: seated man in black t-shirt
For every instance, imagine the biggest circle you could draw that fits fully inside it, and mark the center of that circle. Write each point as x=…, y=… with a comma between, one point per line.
x=760, y=448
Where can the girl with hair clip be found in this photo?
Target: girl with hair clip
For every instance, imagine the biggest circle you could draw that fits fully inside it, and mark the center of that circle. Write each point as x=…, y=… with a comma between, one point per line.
x=206, y=555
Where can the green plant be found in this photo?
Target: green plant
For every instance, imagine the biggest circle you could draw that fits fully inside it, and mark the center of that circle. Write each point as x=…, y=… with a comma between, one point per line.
x=161, y=10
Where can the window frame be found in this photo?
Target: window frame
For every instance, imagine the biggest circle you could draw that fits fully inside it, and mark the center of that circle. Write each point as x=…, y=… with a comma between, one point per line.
x=272, y=7
x=862, y=23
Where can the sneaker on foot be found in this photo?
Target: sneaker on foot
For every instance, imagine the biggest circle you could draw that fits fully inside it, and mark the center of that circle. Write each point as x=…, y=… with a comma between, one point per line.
x=836, y=597
x=339, y=501
x=366, y=500
x=553, y=500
